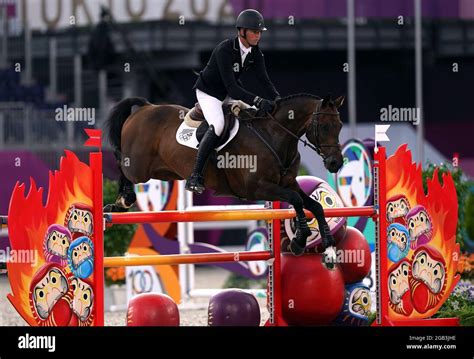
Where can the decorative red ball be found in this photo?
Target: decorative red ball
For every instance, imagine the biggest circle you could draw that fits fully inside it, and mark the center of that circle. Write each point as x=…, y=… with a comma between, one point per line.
x=354, y=253
x=340, y=233
x=311, y=293
x=338, y=237
x=152, y=309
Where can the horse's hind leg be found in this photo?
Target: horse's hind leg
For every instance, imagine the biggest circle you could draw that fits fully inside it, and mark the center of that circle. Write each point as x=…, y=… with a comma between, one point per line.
x=127, y=196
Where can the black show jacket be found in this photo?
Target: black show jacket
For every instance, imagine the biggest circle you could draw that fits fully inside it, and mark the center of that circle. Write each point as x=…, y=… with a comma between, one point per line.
x=221, y=75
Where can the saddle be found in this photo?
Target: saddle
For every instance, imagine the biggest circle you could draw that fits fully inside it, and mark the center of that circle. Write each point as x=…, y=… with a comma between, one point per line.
x=232, y=112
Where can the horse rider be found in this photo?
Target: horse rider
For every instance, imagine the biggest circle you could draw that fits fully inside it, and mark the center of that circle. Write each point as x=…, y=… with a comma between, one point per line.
x=220, y=80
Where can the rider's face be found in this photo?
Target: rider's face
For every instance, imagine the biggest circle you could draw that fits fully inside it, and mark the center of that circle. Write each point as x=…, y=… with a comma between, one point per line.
x=253, y=36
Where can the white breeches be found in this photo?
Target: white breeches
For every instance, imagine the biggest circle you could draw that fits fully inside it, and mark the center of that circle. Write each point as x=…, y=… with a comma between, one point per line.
x=212, y=110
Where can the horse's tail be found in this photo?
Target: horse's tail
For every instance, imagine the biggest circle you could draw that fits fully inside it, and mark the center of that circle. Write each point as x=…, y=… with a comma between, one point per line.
x=118, y=116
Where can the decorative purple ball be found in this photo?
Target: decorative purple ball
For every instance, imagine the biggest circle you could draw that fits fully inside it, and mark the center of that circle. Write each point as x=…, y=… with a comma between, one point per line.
x=322, y=192
x=233, y=307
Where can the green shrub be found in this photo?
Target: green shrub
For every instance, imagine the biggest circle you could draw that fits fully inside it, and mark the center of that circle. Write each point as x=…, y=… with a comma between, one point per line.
x=462, y=191
x=469, y=215
x=238, y=281
x=460, y=304
x=116, y=238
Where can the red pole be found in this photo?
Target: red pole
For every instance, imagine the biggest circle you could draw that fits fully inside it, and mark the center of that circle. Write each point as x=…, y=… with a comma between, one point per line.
x=277, y=269
x=380, y=164
x=187, y=258
x=229, y=215
x=95, y=161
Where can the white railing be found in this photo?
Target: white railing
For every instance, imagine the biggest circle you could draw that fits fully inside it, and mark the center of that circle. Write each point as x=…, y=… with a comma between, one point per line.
x=24, y=126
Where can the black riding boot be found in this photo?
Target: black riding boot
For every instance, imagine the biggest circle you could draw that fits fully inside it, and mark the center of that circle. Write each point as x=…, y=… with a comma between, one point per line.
x=195, y=183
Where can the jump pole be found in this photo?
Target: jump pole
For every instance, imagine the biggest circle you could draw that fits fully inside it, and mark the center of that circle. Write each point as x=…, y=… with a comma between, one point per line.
x=229, y=215
x=95, y=160
x=273, y=215
x=380, y=205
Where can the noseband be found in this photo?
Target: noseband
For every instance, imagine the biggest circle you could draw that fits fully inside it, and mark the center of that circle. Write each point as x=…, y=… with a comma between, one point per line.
x=315, y=129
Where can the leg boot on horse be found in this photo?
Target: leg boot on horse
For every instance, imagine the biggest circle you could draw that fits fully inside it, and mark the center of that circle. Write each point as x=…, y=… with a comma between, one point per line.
x=195, y=183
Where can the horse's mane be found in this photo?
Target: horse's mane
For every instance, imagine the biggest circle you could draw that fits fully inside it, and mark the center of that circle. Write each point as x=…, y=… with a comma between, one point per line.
x=290, y=97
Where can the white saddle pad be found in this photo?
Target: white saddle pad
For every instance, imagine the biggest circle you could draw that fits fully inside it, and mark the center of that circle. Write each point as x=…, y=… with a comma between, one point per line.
x=186, y=135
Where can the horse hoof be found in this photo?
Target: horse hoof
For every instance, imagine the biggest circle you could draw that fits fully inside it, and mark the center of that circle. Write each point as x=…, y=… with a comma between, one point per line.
x=296, y=249
x=195, y=189
x=329, y=258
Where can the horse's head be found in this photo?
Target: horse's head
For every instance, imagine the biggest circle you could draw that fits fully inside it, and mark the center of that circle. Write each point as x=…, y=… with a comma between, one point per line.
x=323, y=132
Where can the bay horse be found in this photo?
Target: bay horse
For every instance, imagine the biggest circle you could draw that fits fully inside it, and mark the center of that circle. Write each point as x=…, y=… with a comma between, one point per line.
x=146, y=147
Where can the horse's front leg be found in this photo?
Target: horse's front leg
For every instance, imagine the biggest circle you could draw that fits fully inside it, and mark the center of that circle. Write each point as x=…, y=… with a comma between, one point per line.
x=327, y=240
x=273, y=192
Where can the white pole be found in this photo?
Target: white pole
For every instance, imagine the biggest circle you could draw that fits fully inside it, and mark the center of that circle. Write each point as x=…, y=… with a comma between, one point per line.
x=102, y=96
x=53, y=74
x=4, y=46
x=182, y=232
x=419, y=82
x=28, y=73
x=351, y=78
x=78, y=80
x=189, y=240
x=77, y=95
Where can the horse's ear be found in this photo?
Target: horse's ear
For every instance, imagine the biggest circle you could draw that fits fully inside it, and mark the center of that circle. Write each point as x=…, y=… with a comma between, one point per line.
x=326, y=100
x=339, y=101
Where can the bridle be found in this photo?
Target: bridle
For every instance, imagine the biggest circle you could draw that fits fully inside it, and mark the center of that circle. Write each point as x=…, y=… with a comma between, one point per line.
x=315, y=129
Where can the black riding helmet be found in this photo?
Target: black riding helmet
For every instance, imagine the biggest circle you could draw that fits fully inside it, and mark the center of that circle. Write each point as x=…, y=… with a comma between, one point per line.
x=250, y=19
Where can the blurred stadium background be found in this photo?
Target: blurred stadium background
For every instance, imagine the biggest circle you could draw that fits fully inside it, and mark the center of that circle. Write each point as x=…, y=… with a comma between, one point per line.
x=66, y=52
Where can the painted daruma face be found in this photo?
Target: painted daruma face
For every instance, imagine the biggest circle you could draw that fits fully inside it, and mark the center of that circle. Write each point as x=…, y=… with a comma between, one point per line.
x=323, y=193
x=398, y=242
x=81, y=257
x=419, y=224
x=83, y=299
x=398, y=238
x=428, y=278
x=428, y=270
x=398, y=283
x=79, y=220
x=58, y=244
x=397, y=208
x=399, y=288
x=80, y=254
x=52, y=287
x=360, y=302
